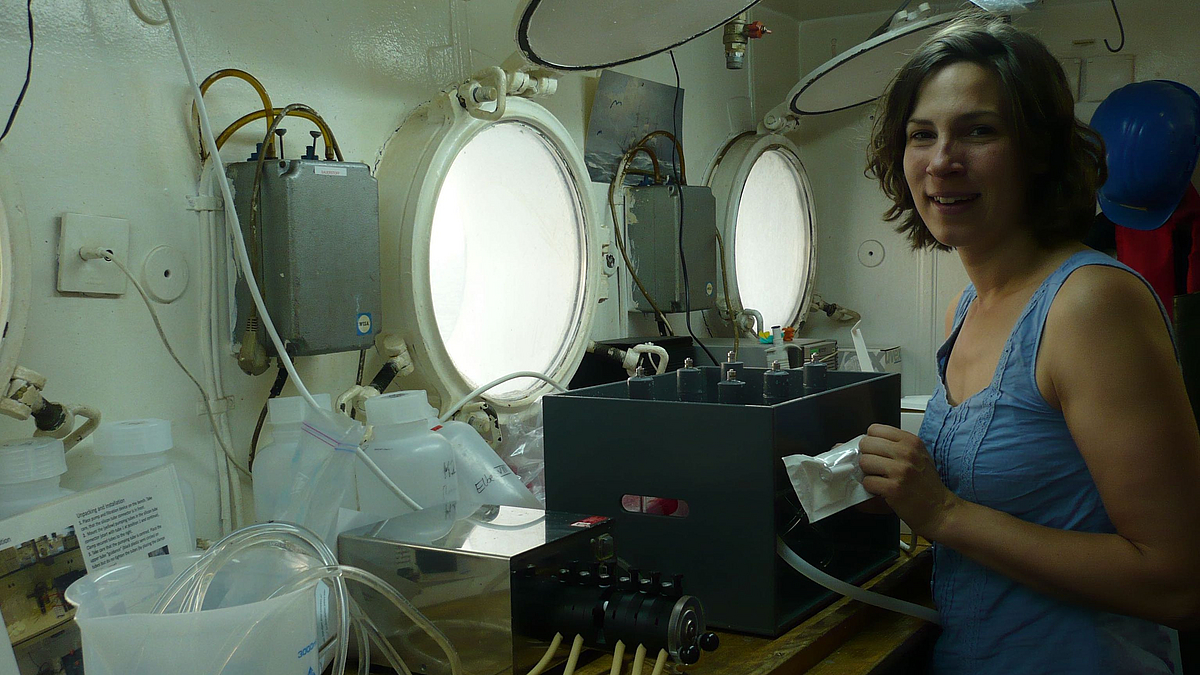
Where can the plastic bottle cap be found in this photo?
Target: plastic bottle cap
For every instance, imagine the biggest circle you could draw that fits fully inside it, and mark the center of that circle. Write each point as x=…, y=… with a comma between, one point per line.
x=133, y=437
x=30, y=459
x=399, y=407
x=290, y=409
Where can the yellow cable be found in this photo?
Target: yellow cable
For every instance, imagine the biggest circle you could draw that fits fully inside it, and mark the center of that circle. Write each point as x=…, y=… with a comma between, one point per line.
x=618, y=656
x=660, y=662
x=639, y=658
x=618, y=178
x=678, y=150
x=573, y=659
x=242, y=75
x=548, y=656
x=653, y=160
x=332, y=150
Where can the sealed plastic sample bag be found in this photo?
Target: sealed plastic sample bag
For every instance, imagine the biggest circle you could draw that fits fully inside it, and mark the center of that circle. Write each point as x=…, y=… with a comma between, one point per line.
x=827, y=483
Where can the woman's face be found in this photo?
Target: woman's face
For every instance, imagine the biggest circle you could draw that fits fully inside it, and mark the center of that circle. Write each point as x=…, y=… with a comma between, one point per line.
x=961, y=160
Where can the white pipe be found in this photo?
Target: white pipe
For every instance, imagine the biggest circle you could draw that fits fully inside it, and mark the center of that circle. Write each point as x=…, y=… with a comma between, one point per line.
x=639, y=658
x=208, y=311
x=544, y=662
x=660, y=662
x=758, y=318
x=618, y=657
x=231, y=217
x=573, y=657
x=850, y=590
x=482, y=388
x=650, y=348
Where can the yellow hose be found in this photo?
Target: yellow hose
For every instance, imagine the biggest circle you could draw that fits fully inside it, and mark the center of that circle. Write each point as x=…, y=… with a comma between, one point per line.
x=678, y=150
x=242, y=75
x=332, y=150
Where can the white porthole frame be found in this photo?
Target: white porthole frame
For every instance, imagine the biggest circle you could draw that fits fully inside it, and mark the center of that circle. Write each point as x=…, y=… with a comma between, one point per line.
x=14, y=288
x=411, y=171
x=726, y=176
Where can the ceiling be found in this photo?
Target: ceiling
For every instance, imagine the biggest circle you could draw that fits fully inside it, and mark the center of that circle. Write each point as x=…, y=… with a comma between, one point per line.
x=807, y=10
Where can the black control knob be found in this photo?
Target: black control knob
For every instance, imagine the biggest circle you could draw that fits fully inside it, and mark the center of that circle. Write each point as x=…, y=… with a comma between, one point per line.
x=689, y=655
x=709, y=642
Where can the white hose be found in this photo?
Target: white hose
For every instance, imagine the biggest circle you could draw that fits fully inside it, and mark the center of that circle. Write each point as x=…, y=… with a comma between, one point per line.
x=650, y=348
x=660, y=662
x=482, y=388
x=544, y=662
x=235, y=228
x=379, y=473
x=231, y=217
x=639, y=658
x=618, y=656
x=850, y=590
x=573, y=657
x=759, y=327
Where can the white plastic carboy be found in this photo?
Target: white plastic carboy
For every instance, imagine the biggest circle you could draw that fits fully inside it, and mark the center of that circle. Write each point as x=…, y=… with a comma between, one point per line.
x=132, y=446
x=483, y=478
x=30, y=470
x=419, y=461
x=272, y=463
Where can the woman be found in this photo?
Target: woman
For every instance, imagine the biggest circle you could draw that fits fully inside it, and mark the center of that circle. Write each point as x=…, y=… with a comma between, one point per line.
x=1058, y=466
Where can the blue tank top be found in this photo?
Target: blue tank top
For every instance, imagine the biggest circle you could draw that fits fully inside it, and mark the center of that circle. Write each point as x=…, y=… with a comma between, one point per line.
x=1007, y=449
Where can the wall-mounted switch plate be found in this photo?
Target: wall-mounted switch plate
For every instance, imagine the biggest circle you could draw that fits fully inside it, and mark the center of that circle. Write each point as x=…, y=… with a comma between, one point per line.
x=92, y=277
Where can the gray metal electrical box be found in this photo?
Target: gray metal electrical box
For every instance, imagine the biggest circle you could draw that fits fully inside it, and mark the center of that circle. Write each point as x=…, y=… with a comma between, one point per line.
x=318, y=252
x=652, y=226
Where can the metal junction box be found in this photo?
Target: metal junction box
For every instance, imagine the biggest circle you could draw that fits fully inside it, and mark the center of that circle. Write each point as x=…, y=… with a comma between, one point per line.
x=652, y=227
x=700, y=488
x=318, y=244
x=466, y=575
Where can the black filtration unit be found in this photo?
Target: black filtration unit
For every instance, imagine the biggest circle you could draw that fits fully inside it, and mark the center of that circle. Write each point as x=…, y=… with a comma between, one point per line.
x=716, y=467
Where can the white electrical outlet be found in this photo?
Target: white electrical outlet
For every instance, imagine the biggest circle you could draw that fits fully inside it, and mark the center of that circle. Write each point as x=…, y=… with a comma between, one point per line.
x=91, y=277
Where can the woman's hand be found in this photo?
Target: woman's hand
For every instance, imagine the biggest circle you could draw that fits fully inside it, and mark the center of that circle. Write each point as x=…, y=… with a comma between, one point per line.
x=898, y=468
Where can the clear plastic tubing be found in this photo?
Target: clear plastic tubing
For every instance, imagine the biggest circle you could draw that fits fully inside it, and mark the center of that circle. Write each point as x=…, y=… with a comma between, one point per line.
x=342, y=572
x=194, y=582
x=850, y=590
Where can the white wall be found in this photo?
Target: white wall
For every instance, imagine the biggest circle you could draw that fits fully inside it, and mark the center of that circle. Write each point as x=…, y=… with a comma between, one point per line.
x=903, y=300
x=105, y=130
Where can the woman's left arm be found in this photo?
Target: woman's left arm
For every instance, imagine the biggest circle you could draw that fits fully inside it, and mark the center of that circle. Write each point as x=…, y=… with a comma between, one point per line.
x=1107, y=360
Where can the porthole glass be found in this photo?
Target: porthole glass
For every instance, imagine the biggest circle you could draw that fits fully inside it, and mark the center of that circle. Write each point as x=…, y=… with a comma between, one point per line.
x=507, y=247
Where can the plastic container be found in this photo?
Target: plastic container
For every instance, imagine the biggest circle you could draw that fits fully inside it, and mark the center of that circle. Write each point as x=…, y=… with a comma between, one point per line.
x=30, y=470
x=419, y=461
x=132, y=446
x=320, y=473
x=483, y=478
x=237, y=631
x=271, y=473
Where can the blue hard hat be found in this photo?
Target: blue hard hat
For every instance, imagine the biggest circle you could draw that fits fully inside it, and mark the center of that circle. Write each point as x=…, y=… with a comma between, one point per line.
x=1152, y=134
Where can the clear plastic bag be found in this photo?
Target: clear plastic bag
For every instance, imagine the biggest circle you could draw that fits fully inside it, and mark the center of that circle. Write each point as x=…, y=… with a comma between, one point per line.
x=829, y=482
x=322, y=472
x=522, y=448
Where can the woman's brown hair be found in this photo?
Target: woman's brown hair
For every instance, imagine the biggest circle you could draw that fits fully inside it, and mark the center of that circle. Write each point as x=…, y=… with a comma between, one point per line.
x=1065, y=155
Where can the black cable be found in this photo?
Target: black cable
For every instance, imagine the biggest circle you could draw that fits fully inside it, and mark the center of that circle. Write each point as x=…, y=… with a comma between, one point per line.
x=362, y=361
x=1120, y=26
x=687, y=290
x=28, y=71
x=281, y=378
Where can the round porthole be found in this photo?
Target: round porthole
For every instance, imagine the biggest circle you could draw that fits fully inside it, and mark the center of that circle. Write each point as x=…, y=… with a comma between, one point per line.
x=764, y=209
x=488, y=249
x=14, y=290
